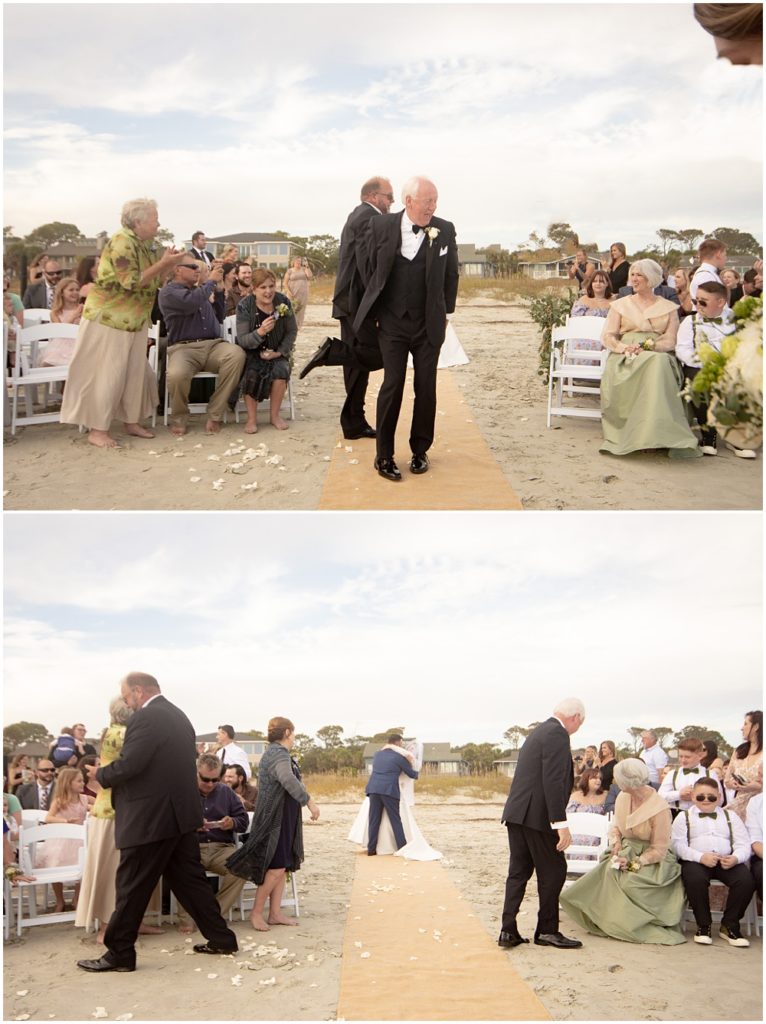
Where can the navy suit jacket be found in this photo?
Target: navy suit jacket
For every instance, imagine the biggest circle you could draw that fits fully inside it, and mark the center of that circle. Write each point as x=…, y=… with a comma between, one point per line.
x=387, y=766
x=543, y=780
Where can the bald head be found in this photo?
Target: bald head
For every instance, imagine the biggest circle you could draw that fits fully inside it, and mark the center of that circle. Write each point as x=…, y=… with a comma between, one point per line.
x=378, y=192
x=137, y=687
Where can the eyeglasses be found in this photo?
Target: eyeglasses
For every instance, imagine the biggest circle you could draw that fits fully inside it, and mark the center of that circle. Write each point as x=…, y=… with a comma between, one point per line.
x=703, y=798
x=386, y=195
x=210, y=782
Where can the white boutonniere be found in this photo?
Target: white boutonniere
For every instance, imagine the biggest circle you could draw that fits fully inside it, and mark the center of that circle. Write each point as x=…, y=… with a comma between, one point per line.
x=433, y=234
x=282, y=310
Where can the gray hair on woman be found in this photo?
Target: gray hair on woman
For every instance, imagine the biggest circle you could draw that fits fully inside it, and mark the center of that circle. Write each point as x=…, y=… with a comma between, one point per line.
x=119, y=712
x=631, y=773
x=649, y=269
x=136, y=210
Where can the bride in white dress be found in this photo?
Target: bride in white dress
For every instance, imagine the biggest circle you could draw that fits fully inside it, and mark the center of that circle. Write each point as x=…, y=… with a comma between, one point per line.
x=417, y=848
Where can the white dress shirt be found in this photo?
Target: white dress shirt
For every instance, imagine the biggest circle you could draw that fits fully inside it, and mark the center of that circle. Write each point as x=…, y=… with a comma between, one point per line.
x=710, y=835
x=704, y=272
x=675, y=781
x=655, y=760
x=694, y=329
x=754, y=818
x=232, y=754
x=411, y=240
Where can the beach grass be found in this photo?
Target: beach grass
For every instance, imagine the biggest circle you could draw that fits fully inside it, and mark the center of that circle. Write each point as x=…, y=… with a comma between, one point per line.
x=343, y=788
x=508, y=289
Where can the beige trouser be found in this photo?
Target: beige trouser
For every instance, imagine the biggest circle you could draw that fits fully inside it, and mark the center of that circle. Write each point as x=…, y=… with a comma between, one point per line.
x=214, y=857
x=212, y=355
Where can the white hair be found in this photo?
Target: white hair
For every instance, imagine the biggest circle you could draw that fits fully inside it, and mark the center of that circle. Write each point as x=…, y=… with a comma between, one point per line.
x=119, y=712
x=569, y=707
x=411, y=187
x=649, y=269
x=631, y=773
x=136, y=210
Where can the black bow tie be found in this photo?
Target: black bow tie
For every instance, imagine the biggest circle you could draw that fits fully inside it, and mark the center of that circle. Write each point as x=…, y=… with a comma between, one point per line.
x=712, y=319
x=689, y=771
x=708, y=814
x=417, y=227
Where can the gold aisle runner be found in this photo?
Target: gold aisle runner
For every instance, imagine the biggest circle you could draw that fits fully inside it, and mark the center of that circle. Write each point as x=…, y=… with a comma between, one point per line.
x=413, y=950
x=463, y=474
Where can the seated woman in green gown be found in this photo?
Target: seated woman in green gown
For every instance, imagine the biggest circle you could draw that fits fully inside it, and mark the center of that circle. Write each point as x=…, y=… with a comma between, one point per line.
x=635, y=894
x=641, y=407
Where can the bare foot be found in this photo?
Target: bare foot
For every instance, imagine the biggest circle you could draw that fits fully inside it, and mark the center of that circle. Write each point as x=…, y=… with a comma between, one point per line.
x=101, y=934
x=258, y=923
x=59, y=908
x=251, y=428
x=149, y=929
x=136, y=430
x=101, y=439
x=281, y=919
x=177, y=429
x=279, y=423
x=213, y=427
x=184, y=929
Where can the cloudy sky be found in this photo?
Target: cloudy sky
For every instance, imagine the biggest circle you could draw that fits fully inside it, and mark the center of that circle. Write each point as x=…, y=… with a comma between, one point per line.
x=456, y=626
x=616, y=118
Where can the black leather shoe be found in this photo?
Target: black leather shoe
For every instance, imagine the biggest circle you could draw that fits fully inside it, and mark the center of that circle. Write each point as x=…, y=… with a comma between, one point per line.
x=558, y=940
x=318, y=359
x=367, y=431
x=372, y=853
x=205, y=947
x=419, y=464
x=104, y=964
x=510, y=939
x=387, y=468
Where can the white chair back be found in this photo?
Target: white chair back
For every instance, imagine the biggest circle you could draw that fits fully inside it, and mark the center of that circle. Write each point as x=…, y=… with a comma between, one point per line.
x=36, y=316
x=32, y=817
x=581, y=857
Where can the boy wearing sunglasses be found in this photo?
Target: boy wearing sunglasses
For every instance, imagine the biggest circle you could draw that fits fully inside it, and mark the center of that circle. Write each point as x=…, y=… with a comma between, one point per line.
x=712, y=843
x=709, y=325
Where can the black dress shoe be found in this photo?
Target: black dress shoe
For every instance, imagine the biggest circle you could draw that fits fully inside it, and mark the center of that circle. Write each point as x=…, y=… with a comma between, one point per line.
x=510, y=939
x=387, y=468
x=104, y=964
x=366, y=431
x=206, y=947
x=372, y=853
x=558, y=940
x=419, y=464
x=318, y=359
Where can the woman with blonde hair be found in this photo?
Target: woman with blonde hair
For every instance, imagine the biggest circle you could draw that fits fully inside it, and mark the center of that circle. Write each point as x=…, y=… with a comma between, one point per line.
x=109, y=375
x=296, y=281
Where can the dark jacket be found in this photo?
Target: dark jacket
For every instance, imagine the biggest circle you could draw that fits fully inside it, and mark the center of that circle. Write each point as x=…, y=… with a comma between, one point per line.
x=663, y=290
x=353, y=262
x=387, y=766
x=543, y=780
x=36, y=296
x=441, y=272
x=281, y=339
x=188, y=312
x=28, y=797
x=154, y=780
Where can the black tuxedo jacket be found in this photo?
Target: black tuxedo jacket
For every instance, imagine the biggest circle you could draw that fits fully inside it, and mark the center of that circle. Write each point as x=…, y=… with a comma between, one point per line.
x=353, y=265
x=544, y=777
x=27, y=793
x=36, y=296
x=441, y=271
x=200, y=254
x=154, y=781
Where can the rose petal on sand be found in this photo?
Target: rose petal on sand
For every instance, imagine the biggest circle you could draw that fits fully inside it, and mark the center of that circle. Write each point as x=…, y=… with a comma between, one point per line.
x=178, y=455
x=197, y=445
x=326, y=458
x=295, y=491
x=249, y=487
x=99, y=1012
x=194, y=479
x=413, y=958
x=214, y=458
x=24, y=992
x=353, y=462
x=338, y=445
x=218, y=485
x=357, y=944
x=125, y=1016
x=212, y=977
x=22, y=1016
x=188, y=952
x=422, y=930
x=365, y=956
x=268, y=981
x=349, y=448
x=236, y=980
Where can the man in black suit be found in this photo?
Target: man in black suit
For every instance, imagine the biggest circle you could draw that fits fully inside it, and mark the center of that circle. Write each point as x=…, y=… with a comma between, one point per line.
x=37, y=795
x=40, y=295
x=357, y=351
x=536, y=819
x=157, y=815
x=198, y=250
x=411, y=289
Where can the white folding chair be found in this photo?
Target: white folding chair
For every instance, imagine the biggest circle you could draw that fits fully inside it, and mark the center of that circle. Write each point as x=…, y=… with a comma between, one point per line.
x=26, y=375
x=67, y=874
x=32, y=317
x=582, y=858
x=32, y=817
x=572, y=360
x=200, y=407
x=250, y=887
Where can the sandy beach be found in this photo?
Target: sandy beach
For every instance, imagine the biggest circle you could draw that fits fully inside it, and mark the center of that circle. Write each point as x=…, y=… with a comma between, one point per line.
x=51, y=466
x=293, y=973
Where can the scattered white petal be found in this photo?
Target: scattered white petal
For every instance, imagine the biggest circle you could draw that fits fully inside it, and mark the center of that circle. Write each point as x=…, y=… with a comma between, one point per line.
x=353, y=462
x=349, y=448
x=295, y=491
x=357, y=944
x=524, y=419
x=194, y=479
x=164, y=951
x=236, y=980
x=25, y=1016
x=218, y=485
x=198, y=970
x=125, y=1016
x=283, y=469
x=268, y=981
x=214, y=458
x=413, y=958
x=422, y=930
x=188, y=952
x=99, y=1012
x=338, y=445
x=327, y=457
x=249, y=487
x=441, y=908
x=311, y=958
x=178, y=455
x=366, y=956
x=189, y=942
x=152, y=452
x=314, y=985
x=197, y=445
x=273, y=460
x=24, y=992
x=212, y=977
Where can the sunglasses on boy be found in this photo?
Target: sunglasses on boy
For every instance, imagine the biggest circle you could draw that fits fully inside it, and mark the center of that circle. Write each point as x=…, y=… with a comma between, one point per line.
x=706, y=798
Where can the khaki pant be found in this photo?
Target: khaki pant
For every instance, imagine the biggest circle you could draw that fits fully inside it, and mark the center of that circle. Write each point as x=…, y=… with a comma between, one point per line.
x=214, y=857
x=211, y=355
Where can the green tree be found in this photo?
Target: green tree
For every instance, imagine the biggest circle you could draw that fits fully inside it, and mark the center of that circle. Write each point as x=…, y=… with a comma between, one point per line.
x=661, y=732
x=514, y=735
x=480, y=757
x=560, y=233
x=164, y=236
x=666, y=236
x=689, y=238
x=302, y=745
x=321, y=251
x=24, y=732
x=635, y=734
x=57, y=231
x=702, y=732
x=330, y=736
x=740, y=242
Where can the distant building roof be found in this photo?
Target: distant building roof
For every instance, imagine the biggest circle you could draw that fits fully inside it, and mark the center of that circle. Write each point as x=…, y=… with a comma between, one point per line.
x=247, y=236
x=466, y=253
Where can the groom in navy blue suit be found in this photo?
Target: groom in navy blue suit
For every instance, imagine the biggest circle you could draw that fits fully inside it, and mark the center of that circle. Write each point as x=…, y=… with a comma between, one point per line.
x=383, y=791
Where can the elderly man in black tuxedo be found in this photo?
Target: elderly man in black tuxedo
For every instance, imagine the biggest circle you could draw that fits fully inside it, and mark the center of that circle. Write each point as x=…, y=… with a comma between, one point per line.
x=412, y=287
x=157, y=814
x=357, y=351
x=536, y=818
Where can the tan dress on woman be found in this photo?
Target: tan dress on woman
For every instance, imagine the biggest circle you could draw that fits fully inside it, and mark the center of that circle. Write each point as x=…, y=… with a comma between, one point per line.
x=641, y=407
x=297, y=284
